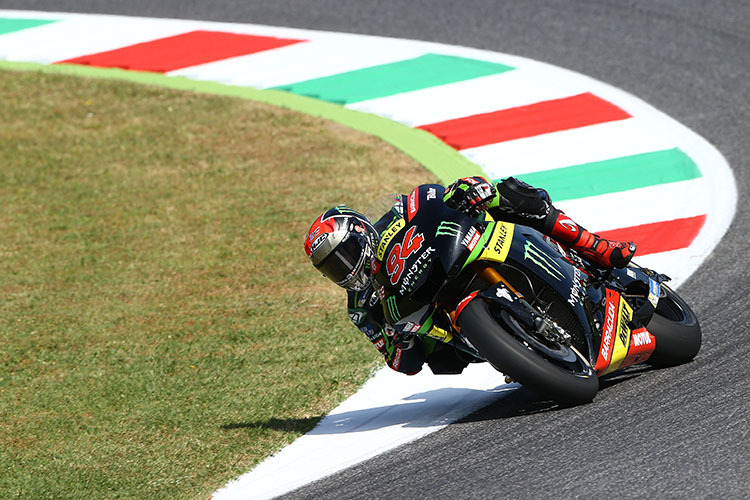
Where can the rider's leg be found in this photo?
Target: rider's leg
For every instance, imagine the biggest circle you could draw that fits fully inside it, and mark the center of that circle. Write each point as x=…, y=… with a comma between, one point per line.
x=520, y=202
x=593, y=247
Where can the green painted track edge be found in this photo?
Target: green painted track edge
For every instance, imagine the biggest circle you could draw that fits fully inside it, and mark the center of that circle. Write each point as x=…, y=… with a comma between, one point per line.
x=439, y=158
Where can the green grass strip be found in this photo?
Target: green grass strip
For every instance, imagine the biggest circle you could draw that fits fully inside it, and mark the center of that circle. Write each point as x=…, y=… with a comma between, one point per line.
x=429, y=70
x=615, y=175
x=9, y=25
x=439, y=158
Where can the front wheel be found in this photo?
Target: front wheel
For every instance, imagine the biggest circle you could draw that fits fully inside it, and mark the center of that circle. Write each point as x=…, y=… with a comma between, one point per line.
x=553, y=371
x=675, y=326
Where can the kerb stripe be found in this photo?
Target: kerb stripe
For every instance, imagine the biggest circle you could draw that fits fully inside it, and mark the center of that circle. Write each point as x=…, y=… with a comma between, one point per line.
x=181, y=51
x=659, y=236
x=9, y=25
x=526, y=121
x=615, y=175
x=429, y=70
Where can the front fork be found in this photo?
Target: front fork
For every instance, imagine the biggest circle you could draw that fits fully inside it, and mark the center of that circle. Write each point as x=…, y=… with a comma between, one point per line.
x=492, y=276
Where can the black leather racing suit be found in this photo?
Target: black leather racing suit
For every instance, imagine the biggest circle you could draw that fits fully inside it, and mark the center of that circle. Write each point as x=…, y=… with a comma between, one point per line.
x=516, y=202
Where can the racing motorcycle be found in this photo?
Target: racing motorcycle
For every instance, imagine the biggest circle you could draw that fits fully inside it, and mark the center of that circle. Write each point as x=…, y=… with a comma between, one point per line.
x=508, y=295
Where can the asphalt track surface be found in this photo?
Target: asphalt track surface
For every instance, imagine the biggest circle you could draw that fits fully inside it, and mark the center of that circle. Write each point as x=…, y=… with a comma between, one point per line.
x=674, y=433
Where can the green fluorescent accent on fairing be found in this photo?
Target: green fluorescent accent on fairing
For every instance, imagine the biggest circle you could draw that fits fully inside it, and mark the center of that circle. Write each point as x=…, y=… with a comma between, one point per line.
x=9, y=24
x=479, y=248
x=429, y=70
x=439, y=158
x=615, y=175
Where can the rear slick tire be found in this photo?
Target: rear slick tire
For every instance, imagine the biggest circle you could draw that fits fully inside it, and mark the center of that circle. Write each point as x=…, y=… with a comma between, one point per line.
x=676, y=329
x=508, y=355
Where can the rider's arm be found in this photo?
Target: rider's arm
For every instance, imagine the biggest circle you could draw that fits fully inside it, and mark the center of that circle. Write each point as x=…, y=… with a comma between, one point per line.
x=401, y=353
x=511, y=200
x=470, y=195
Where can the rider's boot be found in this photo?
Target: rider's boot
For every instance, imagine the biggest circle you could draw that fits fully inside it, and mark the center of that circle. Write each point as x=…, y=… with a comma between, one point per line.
x=591, y=246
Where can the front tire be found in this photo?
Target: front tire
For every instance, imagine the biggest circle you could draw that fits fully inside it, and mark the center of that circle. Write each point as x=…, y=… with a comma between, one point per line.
x=677, y=331
x=509, y=355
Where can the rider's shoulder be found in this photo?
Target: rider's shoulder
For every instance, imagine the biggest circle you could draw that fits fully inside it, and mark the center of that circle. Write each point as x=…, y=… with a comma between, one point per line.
x=430, y=191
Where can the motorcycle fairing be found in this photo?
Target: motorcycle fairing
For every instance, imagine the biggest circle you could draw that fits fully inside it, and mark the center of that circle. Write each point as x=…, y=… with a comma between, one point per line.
x=621, y=346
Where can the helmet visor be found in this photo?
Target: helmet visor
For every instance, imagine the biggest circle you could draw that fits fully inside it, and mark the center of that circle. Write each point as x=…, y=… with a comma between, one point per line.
x=344, y=260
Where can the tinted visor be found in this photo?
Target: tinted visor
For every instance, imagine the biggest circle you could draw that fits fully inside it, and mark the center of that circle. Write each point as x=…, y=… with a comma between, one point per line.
x=340, y=263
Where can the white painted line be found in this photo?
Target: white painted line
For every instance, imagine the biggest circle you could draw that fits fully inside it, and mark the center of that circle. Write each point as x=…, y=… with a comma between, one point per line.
x=81, y=36
x=513, y=88
x=299, y=62
x=636, y=206
x=391, y=409
x=570, y=147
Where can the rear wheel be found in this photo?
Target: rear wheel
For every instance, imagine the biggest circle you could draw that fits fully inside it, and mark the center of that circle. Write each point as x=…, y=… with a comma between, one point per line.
x=675, y=326
x=550, y=369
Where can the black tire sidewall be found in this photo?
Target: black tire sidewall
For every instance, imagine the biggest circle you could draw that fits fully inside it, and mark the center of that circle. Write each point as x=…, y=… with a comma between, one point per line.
x=514, y=359
x=676, y=342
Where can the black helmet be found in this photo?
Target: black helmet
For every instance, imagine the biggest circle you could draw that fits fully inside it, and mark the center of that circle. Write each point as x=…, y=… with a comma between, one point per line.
x=341, y=244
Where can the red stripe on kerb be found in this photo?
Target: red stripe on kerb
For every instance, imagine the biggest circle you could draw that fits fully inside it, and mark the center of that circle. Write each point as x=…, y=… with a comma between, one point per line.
x=181, y=51
x=526, y=121
x=659, y=236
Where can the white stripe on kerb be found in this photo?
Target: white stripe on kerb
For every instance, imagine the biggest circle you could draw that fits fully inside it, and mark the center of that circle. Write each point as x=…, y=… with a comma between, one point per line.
x=510, y=89
x=299, y=62
x=81, y=36
x=566, y=148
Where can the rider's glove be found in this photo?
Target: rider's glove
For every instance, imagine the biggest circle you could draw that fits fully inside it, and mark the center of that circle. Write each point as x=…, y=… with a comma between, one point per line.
x=470, y=195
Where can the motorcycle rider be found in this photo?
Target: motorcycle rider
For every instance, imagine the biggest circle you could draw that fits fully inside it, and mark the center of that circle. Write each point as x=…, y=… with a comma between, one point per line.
x=342, y=243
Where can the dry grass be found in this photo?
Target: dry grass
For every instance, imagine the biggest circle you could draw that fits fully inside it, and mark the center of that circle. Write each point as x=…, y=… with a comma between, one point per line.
x=161, y=330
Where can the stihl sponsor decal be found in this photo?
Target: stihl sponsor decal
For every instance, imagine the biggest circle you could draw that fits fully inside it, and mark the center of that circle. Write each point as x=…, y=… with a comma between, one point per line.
x=412, y=204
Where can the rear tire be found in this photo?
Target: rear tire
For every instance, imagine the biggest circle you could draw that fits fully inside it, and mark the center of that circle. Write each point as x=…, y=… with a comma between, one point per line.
x=506, y=353
x=677, y=331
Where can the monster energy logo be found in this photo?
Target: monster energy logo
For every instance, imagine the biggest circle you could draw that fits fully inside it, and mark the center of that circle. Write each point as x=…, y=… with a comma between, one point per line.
x=448, y=228
x=343, y=209
x=390, y=302
x=544, y=261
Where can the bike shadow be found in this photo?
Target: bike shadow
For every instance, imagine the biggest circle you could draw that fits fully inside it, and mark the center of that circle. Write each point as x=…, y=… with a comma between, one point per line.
x=424, y=409
x=524, y=402
x=431, y=408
